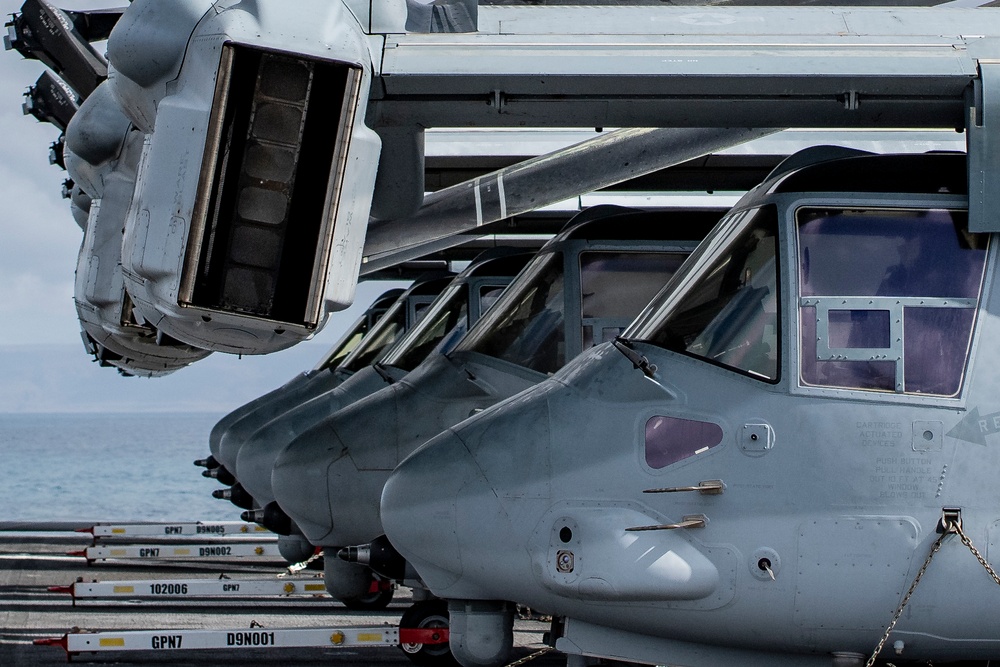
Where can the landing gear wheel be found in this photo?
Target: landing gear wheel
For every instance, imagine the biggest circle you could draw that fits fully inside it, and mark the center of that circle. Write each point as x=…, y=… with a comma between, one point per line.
x=377, y=598
x=427, y=614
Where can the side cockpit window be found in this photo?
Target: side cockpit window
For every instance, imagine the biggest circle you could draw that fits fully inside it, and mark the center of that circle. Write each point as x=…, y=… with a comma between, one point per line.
x=670, y=439
x=887, y=298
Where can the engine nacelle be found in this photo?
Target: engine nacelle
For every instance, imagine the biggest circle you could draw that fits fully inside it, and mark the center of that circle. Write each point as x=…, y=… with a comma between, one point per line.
x=249, y=213
x=94, y=138
x=79, y=203
x=110, y=331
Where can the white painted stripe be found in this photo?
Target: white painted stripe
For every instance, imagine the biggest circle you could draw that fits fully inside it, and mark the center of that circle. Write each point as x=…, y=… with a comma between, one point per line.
x=479, y=203
x=665, y=200
x=503, y=196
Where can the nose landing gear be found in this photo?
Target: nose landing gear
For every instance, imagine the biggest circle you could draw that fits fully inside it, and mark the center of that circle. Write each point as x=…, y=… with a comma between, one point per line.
x=426, y=615
x=378, y=597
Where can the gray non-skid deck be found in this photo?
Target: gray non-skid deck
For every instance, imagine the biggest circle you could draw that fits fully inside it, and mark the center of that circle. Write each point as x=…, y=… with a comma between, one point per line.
x=30, y=562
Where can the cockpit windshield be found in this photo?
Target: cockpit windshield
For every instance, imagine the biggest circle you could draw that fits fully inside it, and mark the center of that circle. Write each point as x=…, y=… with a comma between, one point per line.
x=724, y=307
x=347, y=344
x=389, y=328
x=526, y=325
x=533, y=323
x=449, y=313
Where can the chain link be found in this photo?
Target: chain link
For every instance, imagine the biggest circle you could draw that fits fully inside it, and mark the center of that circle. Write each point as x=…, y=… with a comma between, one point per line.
x=298, y=567
x=953, y=527
x=528, y=658
x=975, y=552
x=906, y=598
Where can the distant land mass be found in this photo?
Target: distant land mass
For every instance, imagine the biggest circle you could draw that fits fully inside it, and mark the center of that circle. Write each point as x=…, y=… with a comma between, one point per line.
x=63, y=378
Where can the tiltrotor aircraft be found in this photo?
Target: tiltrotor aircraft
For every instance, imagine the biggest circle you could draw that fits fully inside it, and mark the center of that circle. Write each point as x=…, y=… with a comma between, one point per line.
x=441, y=323
x=583, y=287
x=759, y=467
x=326, y=375
x=401, y=316
x=463, y=301
x=364, y=378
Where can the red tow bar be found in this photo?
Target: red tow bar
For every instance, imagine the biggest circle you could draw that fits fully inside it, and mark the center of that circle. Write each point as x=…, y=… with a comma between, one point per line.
x=61, y=642
x=423, y=635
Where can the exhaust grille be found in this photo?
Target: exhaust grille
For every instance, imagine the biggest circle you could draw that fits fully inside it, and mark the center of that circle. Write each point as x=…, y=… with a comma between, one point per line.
x=269, y=186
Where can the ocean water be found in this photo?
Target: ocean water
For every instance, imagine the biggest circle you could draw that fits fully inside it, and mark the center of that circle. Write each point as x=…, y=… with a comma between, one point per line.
x=107, y=467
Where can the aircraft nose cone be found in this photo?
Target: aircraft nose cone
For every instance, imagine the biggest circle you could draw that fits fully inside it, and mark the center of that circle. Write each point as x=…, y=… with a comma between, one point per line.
x=449, y=508
x=260, y=451
x=255, y=460
x=420, y=506
x=300, y=481
x=231, y=434
x=229, y=446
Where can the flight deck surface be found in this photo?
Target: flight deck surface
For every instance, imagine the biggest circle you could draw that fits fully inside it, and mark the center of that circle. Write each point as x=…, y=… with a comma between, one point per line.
x=30, y=562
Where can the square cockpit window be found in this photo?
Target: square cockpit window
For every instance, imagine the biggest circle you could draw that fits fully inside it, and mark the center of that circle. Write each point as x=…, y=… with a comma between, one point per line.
x=887, y=298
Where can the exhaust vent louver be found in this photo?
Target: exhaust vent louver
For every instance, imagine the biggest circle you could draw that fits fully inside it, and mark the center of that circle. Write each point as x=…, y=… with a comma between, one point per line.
x=269, y=186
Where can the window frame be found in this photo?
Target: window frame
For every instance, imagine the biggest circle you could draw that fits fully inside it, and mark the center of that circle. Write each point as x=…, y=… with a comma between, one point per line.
x=789, y=207
x=643, y=417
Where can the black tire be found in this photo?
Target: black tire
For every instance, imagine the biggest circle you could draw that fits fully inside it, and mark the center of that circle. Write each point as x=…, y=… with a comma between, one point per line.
x=375, y=601
x=427, y=614
x=295, y=549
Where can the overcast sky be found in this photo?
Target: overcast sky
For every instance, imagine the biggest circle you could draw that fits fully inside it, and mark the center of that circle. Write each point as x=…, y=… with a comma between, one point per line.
x=39, y=239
